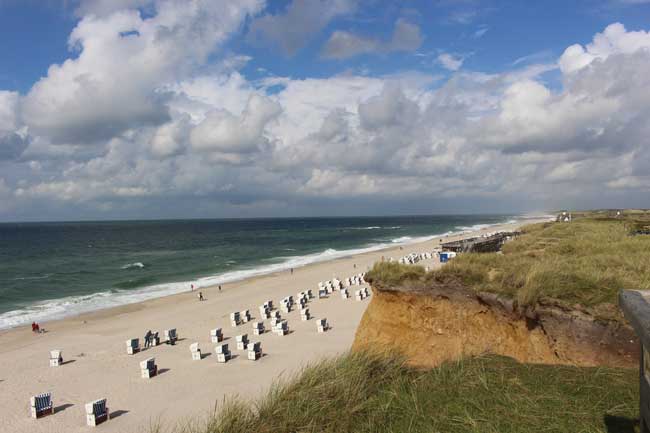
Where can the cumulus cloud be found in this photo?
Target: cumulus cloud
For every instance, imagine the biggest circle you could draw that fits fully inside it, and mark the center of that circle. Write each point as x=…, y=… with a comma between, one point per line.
x=614, y=40
x=298, y=24
x=342, y=44
x=124, y=60
x=225, y=133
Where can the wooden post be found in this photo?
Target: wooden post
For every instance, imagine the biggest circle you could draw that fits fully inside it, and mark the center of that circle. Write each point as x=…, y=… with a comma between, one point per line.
x=636, y=308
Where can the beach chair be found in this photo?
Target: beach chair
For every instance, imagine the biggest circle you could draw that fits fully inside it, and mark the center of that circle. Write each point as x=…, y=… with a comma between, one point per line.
x=132, y=346
x=195, y=351
x=242, y=341
x=255, y=351
x=265, y=313
x=216, y=336
x=345, y=294
x=358, y=295
x=281, y=328
x=170, y=336
x=322, y=325
x=41, y=405
x=55, y=358
x=96, y=412
x=148, y=368
x=322, y=293
x=235, y=319
x=276, y=314
x=223, y=354
x=258, y=328
x=365, y=292
x=304, y=314
x=310, y=295
x=245, y=316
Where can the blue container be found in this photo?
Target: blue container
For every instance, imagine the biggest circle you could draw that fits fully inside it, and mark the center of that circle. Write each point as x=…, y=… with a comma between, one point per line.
x=444, y=257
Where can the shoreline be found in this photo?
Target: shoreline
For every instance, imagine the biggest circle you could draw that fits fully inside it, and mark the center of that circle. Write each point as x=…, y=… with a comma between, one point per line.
x=163, y=290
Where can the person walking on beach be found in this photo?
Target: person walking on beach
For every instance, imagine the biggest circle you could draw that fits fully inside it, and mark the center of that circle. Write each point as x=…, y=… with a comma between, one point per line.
x=200, y=296
x=291, y=271
x=219, y=288
x=192, y=286
x=147, y=339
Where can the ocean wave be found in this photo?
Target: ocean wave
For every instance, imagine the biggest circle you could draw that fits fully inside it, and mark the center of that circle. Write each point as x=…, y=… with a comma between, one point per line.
x=138, y=265
x=35, y=277
x=74, y=305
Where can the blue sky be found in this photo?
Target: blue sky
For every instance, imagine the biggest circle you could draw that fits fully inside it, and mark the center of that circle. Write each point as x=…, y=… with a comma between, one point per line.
x=255, y=108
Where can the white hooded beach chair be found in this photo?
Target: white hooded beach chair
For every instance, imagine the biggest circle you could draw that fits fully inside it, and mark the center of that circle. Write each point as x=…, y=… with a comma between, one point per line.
x=345, y=294
x=223, y=354
x=235, y=319
x=281, y=328
x=358, y=295
x=132, y=346
x=265, y=312
x=171, y=336
x=216, y=335
x=148, y=368
x=242, y=341
x=258, y=328
x=195, y=351
x=245, y=316
x=41, y=405
x=305, y=314
x=96, y=412
x=56, y=358
x=255, y=351
x=322, y=325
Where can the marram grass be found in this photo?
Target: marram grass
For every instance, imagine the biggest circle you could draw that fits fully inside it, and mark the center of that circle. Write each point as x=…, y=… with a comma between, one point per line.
x=368, y=393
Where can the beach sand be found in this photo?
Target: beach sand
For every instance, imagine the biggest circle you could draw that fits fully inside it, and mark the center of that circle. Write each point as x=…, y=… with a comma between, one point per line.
x=97, y=366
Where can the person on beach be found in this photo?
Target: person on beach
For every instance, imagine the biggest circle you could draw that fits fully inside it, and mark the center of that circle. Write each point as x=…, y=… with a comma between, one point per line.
x=291, y=271
x=200, y=296
x=33, y=326
x=147, y=339
x=219, y=287
x=192, y=286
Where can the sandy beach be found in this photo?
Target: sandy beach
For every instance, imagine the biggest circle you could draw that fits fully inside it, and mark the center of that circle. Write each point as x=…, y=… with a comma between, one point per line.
x=97, y=366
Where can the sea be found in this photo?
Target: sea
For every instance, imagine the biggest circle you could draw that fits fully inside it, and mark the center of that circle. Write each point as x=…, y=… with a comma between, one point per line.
x=58, y=269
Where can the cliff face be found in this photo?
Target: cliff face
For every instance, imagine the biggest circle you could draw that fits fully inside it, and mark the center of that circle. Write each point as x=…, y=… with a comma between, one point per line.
x=439, y=325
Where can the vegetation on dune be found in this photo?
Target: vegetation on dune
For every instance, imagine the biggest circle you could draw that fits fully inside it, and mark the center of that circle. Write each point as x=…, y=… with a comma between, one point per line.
x=584, y=262
x=361, y=392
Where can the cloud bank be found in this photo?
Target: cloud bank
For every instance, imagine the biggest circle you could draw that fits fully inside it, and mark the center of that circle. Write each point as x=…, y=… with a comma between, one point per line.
x=132, y=124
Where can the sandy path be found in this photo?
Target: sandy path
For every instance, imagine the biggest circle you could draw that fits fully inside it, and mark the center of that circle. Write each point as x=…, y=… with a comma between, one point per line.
x=99, y=366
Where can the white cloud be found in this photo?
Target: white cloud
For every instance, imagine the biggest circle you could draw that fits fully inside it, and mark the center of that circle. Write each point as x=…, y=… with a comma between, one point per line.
x=342, y=44
x=299, y=23
x=614, y=40
x=117, y=80
x=225, y=133
x=450, y=62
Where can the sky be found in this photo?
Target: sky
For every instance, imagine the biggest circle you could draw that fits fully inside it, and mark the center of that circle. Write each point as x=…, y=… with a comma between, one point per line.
x=128, y=109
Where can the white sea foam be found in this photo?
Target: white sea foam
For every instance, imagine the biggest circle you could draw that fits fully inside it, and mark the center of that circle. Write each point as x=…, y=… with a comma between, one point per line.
x=75, y=305
x=139, y=265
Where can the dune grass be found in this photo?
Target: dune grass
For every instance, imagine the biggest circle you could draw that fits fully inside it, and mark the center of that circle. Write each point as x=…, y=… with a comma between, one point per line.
x=362, y=393
x=585, y=262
